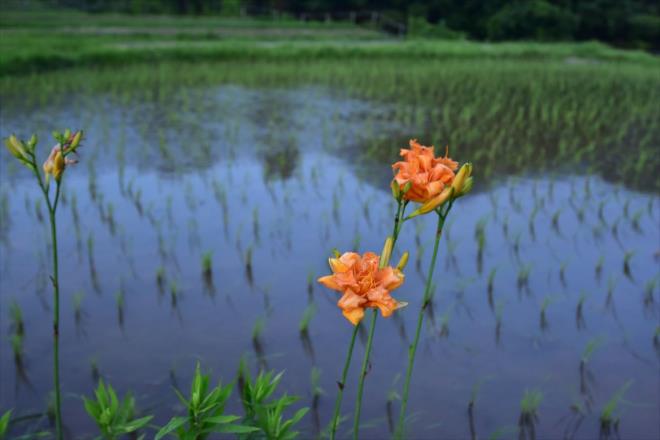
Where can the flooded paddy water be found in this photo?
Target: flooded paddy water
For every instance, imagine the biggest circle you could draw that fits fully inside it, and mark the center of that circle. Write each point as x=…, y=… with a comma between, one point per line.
x=546, y=281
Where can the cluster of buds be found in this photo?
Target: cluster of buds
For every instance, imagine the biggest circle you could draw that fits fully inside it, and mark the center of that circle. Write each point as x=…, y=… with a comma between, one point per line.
x=67, y=143
x=399, y=192
x=23, y=151
x=461, y=185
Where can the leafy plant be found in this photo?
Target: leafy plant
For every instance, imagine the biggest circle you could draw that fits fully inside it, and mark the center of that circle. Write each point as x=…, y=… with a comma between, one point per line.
x=205, y=412
x=114, y=418
x=265, y=412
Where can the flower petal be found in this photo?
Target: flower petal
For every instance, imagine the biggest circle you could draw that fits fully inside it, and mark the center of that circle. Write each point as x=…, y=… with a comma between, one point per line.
x=329, y=282
x=354, y=315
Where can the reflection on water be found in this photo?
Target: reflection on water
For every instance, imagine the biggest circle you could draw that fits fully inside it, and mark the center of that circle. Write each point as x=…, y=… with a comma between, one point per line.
x=195, y=232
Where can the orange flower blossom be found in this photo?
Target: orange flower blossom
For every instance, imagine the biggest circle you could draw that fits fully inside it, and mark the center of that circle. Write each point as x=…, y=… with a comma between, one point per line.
x=427, y=174
x=363, y=284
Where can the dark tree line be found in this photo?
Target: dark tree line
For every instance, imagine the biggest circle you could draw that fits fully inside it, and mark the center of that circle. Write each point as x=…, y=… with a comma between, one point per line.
x=623, y=22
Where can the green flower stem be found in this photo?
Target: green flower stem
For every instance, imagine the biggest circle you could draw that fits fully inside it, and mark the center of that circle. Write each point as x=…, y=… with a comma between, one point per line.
x=56, y=317
x=342, y=384
x=426, y=300
x=52, y=209
x=398, y=222
x=363, y=373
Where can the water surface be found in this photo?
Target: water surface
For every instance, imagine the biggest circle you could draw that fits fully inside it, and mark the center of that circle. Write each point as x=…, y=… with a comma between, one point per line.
x=272, y=173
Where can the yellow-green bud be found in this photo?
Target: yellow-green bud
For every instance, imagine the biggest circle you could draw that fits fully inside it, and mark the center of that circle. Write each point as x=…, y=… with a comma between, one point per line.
x=387, y=252
x=403, y=260
x=463, y=173
x=396, y=189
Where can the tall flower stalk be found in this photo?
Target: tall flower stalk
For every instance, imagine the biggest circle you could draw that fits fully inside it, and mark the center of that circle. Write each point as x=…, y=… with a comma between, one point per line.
x=398, y=194
x=53, y=167
x=460, y=185
x=387, y=305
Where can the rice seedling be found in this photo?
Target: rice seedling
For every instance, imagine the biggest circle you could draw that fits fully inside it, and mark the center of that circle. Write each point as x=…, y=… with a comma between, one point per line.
x=532, y=218
x=255, y=224
x=562, y=272
x=634, y=221
x=592, y=345
x=174, y=294
x=444, y=322
x=310, y=285
x=499, y=311
x=599, y=266
x=543, y=321
x=471, y=403
x=306, y=318
x=16, y=341
x=579, y=311
x=206, y=412
x=529, y=406
x=609, y=420
x=626, y=263
x=160, y=278
x=555, y=221
x=207, y=264
x=248, y=265
x=37, y=210
x=523, y=276
x=491, y=284
x=113, y=417
x=649, y=288
x=94, y=370
x=17, y=325
x=120, y=302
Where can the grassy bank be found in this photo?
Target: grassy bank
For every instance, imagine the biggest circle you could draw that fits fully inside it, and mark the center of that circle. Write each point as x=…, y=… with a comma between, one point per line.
x=37, y=42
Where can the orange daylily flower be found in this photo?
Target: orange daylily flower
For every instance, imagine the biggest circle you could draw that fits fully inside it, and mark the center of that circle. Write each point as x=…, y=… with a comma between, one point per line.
x=428, y=175
x=363, y=285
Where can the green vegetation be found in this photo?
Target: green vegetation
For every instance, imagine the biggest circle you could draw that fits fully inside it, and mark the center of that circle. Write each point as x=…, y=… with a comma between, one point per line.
x=540, y=107
x=4, y=423
x=625, y=22
x=206, y=409
x=608, y=414
x=114, y=418
x=264, y=411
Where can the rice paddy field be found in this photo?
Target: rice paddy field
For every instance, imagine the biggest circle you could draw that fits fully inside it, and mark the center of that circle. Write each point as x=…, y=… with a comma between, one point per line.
x=219, y=172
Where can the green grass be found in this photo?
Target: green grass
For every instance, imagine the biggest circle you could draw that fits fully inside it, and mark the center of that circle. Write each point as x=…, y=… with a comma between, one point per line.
x=49, y=40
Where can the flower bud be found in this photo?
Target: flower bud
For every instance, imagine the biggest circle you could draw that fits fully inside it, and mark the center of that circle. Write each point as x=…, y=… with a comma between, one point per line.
x=403, y=261
x=396, y=189
x=406, y=187
x=463, y=173
x=467, y=187
x=433, y=203
x=75, y=140
x=58, y=165
x=16, y=147
x=387, y=252
x=32, y=143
